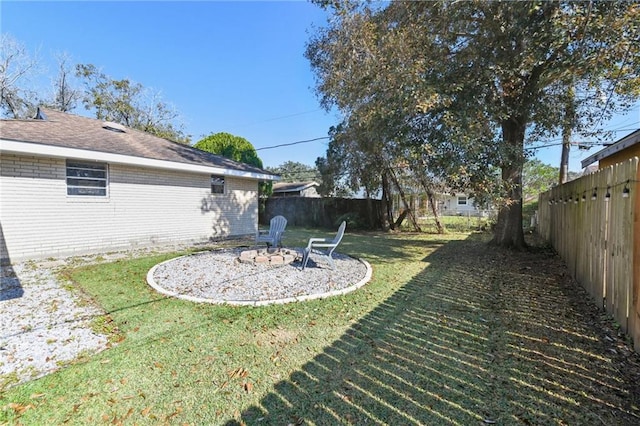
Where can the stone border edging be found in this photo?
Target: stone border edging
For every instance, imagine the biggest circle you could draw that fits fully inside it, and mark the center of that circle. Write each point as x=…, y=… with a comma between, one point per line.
x=342, y=291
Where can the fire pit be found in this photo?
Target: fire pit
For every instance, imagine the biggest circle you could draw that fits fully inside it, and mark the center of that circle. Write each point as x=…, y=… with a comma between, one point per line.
x=271, y=256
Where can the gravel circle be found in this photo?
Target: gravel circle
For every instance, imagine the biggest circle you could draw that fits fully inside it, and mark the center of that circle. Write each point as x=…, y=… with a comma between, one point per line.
x=218, y=277
x=44, y=326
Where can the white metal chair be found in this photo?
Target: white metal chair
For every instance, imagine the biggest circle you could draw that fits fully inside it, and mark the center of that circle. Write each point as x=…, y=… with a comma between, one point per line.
x=328, y=244
x=273, y=237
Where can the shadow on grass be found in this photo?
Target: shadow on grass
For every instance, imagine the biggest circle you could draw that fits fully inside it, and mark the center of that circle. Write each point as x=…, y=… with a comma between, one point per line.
x=477, y=337
x=376, y=247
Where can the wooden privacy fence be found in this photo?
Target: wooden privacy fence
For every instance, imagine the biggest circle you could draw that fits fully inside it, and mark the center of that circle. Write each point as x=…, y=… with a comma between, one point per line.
x=325, y=212
x=594, y=224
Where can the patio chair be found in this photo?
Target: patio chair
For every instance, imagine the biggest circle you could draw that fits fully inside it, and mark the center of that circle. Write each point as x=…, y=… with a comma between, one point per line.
x=329, y=245
x=273, y=237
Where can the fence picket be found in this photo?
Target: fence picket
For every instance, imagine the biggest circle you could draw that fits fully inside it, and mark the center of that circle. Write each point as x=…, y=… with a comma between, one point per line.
x=599, y=239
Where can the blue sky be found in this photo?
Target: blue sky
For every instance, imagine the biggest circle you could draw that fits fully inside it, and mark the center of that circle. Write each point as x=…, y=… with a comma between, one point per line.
x=235, y=67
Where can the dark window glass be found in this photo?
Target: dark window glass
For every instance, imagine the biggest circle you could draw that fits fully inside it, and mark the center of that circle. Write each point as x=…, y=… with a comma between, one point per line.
x=86, y=179
x=217, y=184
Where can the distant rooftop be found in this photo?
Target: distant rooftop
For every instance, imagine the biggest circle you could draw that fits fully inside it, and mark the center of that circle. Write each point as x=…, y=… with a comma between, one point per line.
x=627, y=141
x=293, y=186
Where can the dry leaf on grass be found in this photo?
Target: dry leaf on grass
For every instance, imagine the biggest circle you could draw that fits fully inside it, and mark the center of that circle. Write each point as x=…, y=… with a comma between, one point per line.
x=238, y=373
x=20, y=408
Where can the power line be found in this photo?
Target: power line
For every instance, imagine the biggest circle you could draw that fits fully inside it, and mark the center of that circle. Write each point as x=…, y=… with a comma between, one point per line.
x=615, y=82
x=579, y=144
x=584, y=143
x=533, y=148
x=276, y=118
x=291, y=143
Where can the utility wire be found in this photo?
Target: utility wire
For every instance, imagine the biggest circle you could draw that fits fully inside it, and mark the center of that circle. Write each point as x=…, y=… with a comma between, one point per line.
x=276, y=118
x=537, y=147
x=291, y=143
x=615, y=82
x=584, y=143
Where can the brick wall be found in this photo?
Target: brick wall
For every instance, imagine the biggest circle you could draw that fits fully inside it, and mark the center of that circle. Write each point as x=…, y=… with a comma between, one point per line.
x=143, y=207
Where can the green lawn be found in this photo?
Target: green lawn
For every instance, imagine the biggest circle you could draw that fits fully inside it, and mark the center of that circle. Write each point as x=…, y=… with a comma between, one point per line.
x=448, y=331
x=455, y=224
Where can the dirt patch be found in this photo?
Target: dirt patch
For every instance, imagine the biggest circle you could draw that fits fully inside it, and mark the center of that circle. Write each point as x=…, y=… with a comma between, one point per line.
x=277, y=337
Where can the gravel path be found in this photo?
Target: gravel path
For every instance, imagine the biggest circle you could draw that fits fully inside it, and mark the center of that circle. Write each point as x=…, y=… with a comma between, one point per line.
x=43, y=325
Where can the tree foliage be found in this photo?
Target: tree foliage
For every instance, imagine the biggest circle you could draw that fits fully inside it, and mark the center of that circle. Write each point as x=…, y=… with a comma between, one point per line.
x=537, y=177
x=293, y=171
x=235, y=148
x=122, y=101
x=17, y=68
x=229, y=146
x=466, y=85
x=129, y=103
x=349, y=163
x=66, y=94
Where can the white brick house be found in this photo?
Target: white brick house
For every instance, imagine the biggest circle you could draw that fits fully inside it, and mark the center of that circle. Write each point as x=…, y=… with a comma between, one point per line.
x=74, y=185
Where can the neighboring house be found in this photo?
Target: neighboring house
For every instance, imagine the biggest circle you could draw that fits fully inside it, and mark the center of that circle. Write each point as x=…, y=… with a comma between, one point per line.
x=457, y=204
x=75, y=185
x=617, y=152
x=296, y=189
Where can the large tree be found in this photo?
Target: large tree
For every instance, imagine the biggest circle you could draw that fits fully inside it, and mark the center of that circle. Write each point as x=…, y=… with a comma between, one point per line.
x=66, y=94
x=130, y=104
x=474, y=81
x=17, y=68
x=294, y=171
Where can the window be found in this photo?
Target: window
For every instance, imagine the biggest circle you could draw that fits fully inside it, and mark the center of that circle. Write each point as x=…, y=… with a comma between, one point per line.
x=462, y=200
x=86, y=179
x=217, y=184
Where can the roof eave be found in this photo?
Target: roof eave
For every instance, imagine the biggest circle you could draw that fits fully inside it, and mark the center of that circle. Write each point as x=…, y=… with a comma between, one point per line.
x=624, y=143
x=26, y=148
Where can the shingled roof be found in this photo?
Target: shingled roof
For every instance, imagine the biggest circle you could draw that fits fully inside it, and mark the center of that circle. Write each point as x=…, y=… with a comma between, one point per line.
x=55, y=129
x=293, y=186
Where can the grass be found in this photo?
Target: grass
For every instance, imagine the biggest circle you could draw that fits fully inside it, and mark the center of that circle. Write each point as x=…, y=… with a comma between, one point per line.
x=443, y=334
x=454, y=224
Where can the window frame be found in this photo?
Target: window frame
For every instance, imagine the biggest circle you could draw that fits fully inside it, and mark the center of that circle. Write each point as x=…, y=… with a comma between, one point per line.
x=459, y=200
x=214, y=184
x=86, y=171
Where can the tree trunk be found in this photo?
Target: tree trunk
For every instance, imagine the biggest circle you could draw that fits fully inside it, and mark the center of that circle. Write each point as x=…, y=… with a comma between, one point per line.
x=434, y=210
x=432, y=202
x=508, y=231
x=410, y=213
x=387, y=214
x=401, y=218
x=567, y=127
x=370, y=212
x=564, y=158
